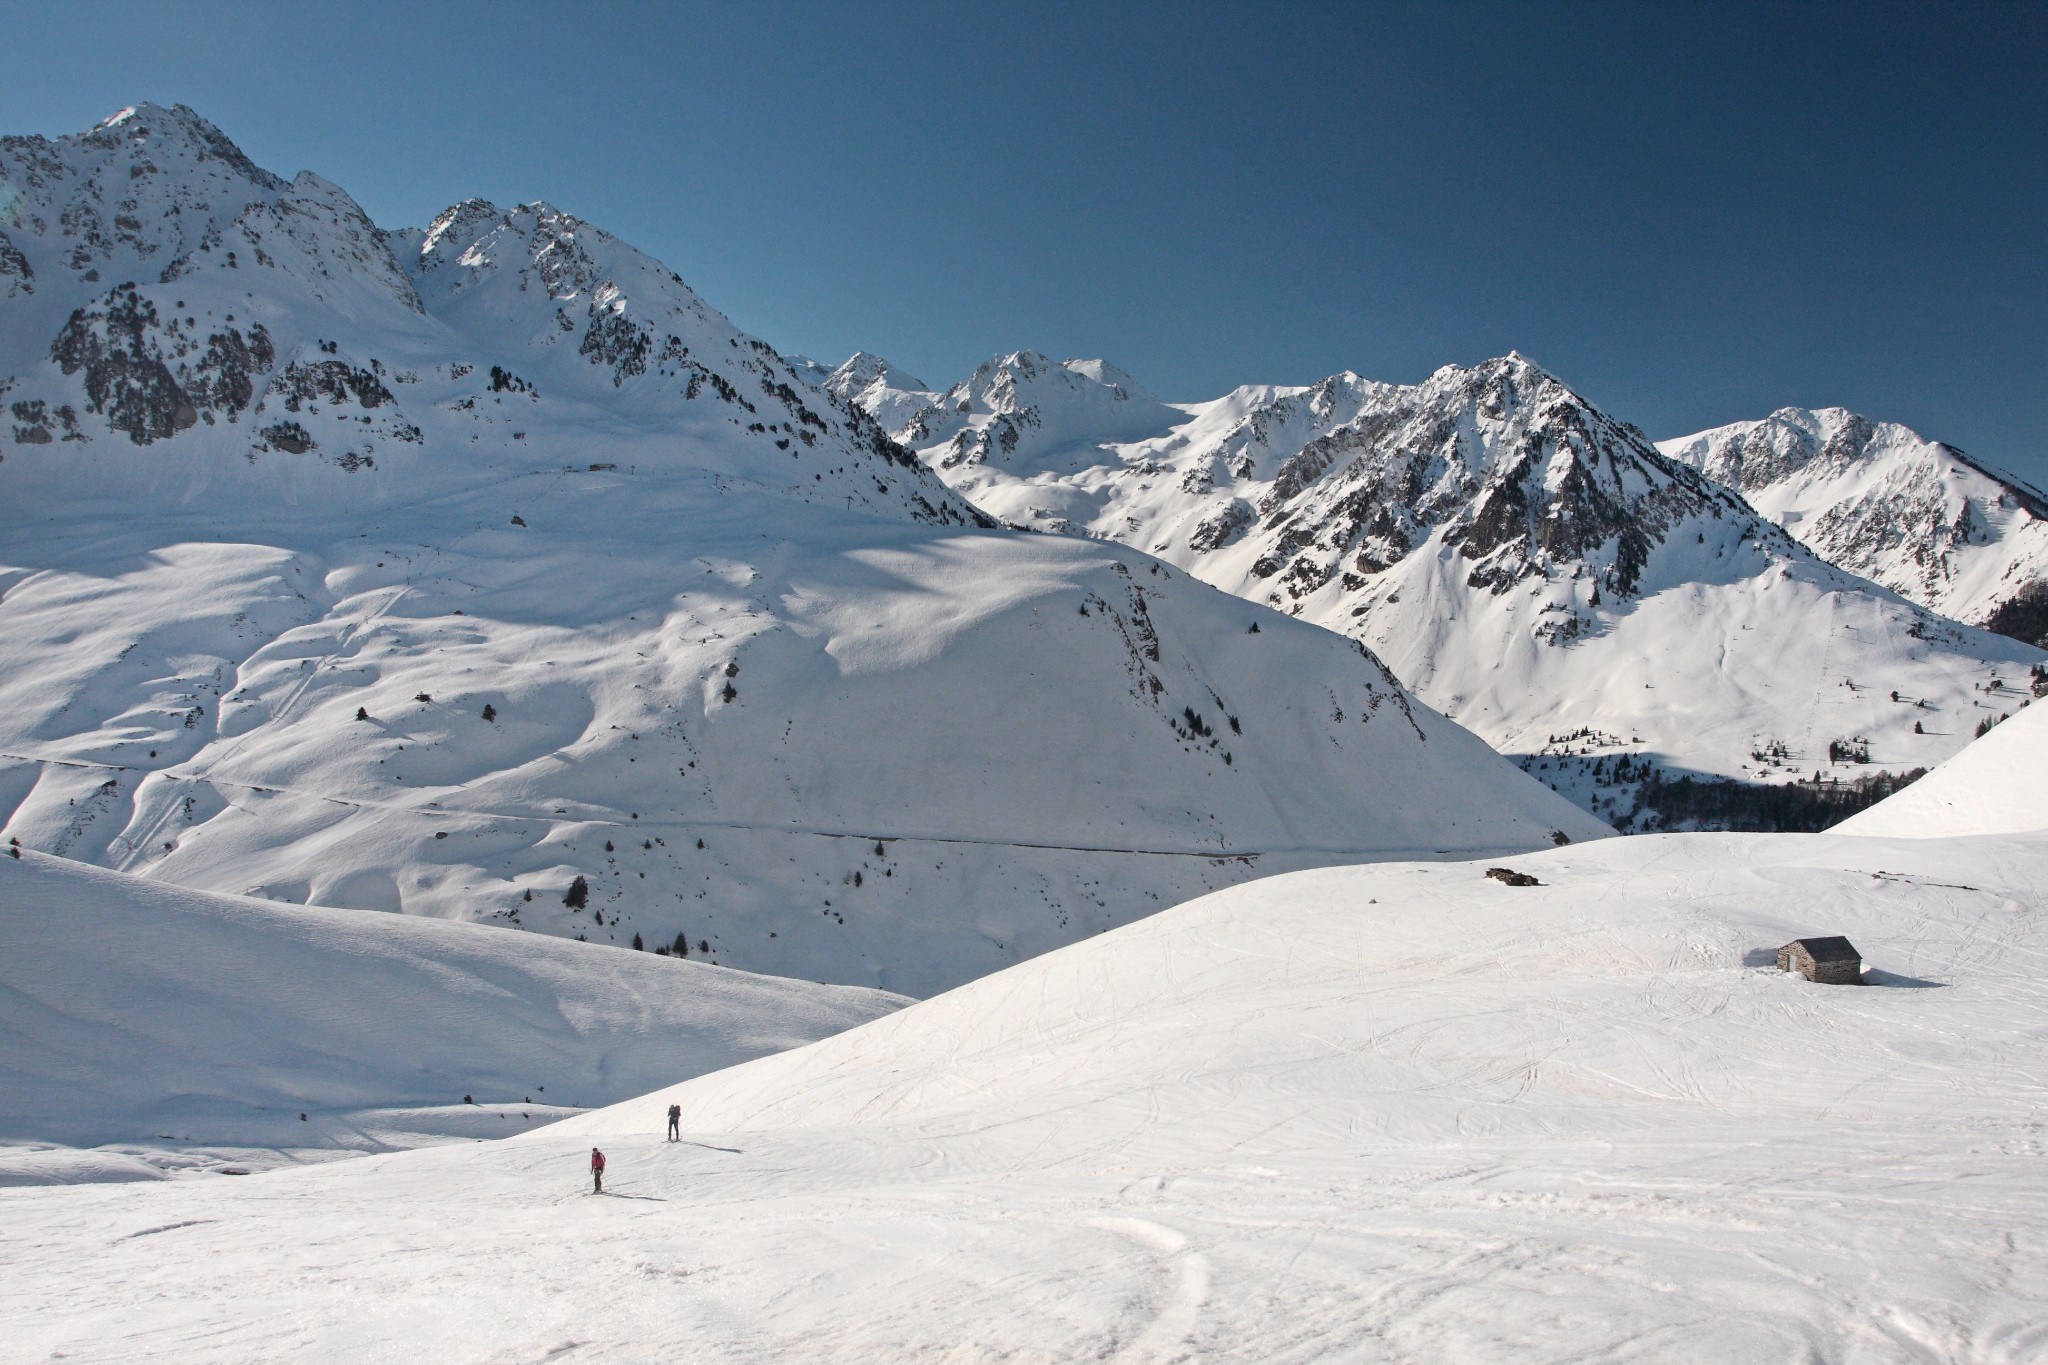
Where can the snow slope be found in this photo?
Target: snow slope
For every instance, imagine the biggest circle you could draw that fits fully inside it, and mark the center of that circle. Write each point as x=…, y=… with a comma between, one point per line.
x=1526, y=563
x=1399, y=1112
x=1884, y=502
x=1999, y=785
x=434, y=570
x=135, y=1013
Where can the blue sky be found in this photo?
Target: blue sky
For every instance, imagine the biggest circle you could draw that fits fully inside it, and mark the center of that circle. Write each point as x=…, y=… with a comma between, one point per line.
x=1693, y=214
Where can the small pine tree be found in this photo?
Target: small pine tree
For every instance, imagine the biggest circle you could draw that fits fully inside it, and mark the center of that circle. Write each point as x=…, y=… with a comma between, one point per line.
x=638, y=946
x=578, y=894
x=362, y=713
x=1918, y=728
x=490, y=712
x=682, y=945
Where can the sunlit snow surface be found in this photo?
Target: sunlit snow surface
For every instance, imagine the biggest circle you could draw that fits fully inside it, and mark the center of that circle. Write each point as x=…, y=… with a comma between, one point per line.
x=1398, y=1112
x=177, y=1031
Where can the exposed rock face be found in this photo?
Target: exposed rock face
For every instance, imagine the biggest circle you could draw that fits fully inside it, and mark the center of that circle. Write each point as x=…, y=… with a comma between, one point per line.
x=1521, y=476
x=126, y=379
x=330, y=381
x=152, y=378
x=1880, y=500
x=16, y=278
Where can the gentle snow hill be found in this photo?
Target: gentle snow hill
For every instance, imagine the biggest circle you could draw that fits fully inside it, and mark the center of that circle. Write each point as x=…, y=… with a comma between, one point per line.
x=1999, y=785
x=1528, y=564
x=1883, y=501
x=432, y=570
x=134, y=1012
x=1385, y=1113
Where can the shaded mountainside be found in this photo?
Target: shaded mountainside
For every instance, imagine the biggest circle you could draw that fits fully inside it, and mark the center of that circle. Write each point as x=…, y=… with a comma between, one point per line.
x=1882, y=501
x=450, y=570
x=1528, y=564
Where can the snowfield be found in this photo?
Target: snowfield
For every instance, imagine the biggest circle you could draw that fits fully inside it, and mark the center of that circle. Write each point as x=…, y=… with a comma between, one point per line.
x=179, y=1031
x=1395, y=1112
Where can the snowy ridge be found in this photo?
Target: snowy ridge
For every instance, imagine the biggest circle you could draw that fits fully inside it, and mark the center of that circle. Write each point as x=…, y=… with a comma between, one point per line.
x=527, y=566
x=1530, y=566
x=137, y=1012
x=1397, y=1112
x=1884, y=502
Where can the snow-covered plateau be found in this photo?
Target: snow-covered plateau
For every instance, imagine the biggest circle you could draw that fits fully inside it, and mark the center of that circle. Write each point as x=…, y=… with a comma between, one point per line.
x=484, y=572
x=1529, y=565
x=1386, y=1113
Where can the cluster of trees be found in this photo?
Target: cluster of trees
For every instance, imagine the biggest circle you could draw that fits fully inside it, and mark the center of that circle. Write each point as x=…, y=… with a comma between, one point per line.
x=1792, y=808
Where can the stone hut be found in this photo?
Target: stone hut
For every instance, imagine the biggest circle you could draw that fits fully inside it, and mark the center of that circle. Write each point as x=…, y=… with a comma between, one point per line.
x=1831, y=961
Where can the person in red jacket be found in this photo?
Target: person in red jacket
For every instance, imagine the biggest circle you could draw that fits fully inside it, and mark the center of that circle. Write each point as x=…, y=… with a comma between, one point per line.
x=596, y=1171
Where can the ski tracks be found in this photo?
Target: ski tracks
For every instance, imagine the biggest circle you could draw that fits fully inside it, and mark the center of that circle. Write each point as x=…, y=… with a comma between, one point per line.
x=1179, y=1305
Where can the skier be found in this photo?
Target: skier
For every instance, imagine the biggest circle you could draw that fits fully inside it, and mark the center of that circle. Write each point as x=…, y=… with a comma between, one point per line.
x=596, y=1171
x=675, y=1123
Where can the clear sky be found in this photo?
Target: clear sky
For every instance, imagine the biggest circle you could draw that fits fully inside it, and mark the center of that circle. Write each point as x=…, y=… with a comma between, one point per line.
x=1693, y=214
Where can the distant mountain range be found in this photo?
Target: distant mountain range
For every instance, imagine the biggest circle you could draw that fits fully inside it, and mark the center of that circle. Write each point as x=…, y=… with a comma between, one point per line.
x=483, y=571
x=1603, y=611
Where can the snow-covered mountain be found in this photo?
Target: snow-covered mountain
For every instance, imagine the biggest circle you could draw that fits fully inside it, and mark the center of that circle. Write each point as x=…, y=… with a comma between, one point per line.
x=1526, y=563
x=136, y=1012
x=1884, y=502
x=877, y=388
x=485, y=572
x=1390, y=1113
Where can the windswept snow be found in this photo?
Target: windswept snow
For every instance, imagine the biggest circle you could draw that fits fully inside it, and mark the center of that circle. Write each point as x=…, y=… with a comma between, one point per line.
x=1399, y=1112
x=152, y=1017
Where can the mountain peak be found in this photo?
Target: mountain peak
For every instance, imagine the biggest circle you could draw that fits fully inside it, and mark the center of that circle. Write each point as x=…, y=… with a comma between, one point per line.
x=153, y=125
x=863, y=369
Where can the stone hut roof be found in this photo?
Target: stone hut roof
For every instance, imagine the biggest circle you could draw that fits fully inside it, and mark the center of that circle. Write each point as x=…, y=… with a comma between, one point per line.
x=1834, y=949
